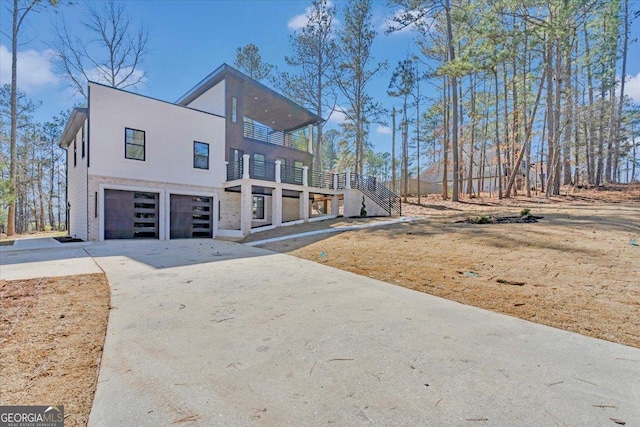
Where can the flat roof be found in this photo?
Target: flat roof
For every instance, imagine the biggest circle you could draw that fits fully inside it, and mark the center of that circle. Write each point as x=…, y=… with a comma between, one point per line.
x=261, y=103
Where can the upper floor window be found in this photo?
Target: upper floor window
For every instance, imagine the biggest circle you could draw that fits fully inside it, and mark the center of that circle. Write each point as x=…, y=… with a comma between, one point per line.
x=234, y=109
x=83, y=141
x=134, y=141
x=200, y=155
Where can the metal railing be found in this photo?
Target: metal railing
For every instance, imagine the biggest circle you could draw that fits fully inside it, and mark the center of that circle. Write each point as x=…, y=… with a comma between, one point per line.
x=262, y=170
x=291, y=174
x=234, y=170
x=381, y=195
x=260, y=132
x=321, y=180
x=342, y=181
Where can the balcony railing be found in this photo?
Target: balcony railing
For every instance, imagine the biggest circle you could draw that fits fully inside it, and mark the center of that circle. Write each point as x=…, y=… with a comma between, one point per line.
x=291, y=174
x=260, y=132
x=321, y=180
x=234, y=170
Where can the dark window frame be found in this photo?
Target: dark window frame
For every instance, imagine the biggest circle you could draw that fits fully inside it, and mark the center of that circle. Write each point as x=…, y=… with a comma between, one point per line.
x=257, y=207
x=234, y=109
x=75, y=153
x=196, y=156
x=83, y=142
x=143, y=145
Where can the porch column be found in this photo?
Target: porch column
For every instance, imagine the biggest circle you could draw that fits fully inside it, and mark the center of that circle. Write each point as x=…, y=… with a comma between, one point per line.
x=276, y=206
x=246, y=209
x=278, y=171
x=311, y=139
x=347, y=172
x=335, y=205
x=304, y=206
x=335, y=181
x=245, y=167
x=305, y=176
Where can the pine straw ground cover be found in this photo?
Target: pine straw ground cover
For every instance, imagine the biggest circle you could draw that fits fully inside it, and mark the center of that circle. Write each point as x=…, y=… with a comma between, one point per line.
x=576, y=269
x=51, y=336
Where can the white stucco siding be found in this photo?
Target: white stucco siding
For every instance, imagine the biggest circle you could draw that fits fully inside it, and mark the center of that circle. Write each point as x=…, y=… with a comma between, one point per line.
x=77, y=187
x=170, y=132
x=212, y=101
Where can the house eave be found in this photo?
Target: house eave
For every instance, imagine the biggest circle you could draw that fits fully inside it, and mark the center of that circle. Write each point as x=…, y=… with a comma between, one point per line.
x=75, y=122
x=287, y=114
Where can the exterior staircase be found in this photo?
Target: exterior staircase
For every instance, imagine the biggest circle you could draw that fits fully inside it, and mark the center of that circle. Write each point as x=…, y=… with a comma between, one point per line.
x=381, y=195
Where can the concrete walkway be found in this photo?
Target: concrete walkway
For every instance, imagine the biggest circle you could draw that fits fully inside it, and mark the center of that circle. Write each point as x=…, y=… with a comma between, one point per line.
x=30, y=258
x=214, y=333
x=334, y=230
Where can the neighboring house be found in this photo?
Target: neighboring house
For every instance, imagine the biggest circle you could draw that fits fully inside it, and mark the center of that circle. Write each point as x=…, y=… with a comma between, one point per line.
x=230, y=157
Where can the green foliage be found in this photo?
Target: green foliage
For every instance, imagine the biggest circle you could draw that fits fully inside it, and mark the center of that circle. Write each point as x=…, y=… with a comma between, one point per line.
x=525, y=212
x=249, y=60
x=483, y=219
x=363, y=209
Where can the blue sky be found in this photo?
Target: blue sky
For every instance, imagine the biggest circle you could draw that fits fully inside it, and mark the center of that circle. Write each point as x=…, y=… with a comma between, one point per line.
x=189, y=39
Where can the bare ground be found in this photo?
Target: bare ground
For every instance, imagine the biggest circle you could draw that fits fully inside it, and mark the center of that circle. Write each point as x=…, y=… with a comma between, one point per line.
x=576, y=269
x=51, y=337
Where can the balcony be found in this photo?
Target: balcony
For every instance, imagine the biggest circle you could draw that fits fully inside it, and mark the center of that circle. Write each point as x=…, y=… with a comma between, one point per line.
x=275, y=172
x=259, y=132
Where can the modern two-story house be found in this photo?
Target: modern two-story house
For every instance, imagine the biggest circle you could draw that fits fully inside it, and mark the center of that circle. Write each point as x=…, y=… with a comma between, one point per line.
x=229, y=158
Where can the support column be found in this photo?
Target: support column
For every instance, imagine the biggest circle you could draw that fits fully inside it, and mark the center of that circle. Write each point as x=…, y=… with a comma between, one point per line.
x=278, y=171
x=310, y=139
x=335, y=205
x=245, y=166
x=305, y=176
x=347, y=172
x=276, y=206
x=335, y=181
x=246, y=209
x=304, y=206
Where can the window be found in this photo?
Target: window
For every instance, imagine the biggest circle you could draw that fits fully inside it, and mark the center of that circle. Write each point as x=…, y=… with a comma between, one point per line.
x=234, y=109
x=134, y=144
x=83, y=141
x=200, y=155
x=258, y=207
x=75, y=153
x=259, y=167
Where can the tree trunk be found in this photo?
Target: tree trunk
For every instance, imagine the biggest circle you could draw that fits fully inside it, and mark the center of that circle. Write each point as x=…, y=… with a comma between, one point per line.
x=393, y=150
x=625, y=47
x=499, y=159
x=13, y=161
x=445, y=137
x=454, y=118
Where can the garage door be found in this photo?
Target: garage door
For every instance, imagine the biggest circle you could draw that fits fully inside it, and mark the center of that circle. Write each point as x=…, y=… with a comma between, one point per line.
x=191, y=216
x=130, y=215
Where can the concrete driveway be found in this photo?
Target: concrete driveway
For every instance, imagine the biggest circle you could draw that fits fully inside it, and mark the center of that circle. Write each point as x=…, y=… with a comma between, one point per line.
x=211, y=333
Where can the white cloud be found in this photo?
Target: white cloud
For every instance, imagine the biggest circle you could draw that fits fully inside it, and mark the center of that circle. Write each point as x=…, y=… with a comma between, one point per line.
x=632, y=87
x=34, y=69
x=298, y=22
x=338, y=115
x=389, y=23
x=383, y=130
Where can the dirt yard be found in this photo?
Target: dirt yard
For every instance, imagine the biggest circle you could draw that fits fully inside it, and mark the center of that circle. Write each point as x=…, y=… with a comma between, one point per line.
x=577, y=268
x=51, y=336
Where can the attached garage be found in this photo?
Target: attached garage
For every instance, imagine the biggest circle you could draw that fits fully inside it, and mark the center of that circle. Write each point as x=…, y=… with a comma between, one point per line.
x=191, y=216
x=130, y=214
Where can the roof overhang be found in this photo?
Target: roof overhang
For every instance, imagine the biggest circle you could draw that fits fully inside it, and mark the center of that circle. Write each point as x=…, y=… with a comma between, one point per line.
x=75, y=122
x=260, y=102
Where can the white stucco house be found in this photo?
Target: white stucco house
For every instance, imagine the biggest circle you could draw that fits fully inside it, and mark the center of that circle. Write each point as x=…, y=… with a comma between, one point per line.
x=229, y=158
